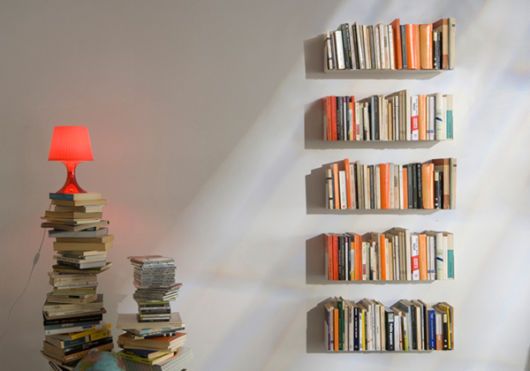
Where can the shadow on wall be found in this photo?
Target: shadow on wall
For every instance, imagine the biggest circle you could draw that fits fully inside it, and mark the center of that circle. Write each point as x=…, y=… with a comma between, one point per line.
x=314, y=134
x=315, y=329
x=315, y=199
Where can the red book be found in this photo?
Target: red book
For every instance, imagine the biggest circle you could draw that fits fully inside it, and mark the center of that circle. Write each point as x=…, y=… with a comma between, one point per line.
x=335, y=240
x=329, y=253
x=384, y=173
x=358, y=257
x=382, y=257
x=396, y=31
x=334, y=118
x=327, y=109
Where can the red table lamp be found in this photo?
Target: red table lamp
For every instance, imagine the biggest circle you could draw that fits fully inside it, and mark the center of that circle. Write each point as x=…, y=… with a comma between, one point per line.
x=71, y=145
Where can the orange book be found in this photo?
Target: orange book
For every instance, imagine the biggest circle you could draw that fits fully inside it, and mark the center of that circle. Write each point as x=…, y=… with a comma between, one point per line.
x=384, y=174
x=333, y=118
x=382, y=257
x=422, y=242
x=426, y=46
x=358, y=257
x=411, y=44
x=327, y=107
x=396, y=32
x=335, y=243
x=336, y=329
x=416, y=43
x=422, y=117
x=427, y=185
x=336, y=193
x=349, y=203
x=329, y=253
x=405, y=188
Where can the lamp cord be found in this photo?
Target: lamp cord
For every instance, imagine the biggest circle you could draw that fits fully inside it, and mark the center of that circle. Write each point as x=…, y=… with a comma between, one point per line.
x=36, y=258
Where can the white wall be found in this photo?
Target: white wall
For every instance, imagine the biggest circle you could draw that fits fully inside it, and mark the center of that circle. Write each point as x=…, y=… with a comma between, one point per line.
x=196, y=110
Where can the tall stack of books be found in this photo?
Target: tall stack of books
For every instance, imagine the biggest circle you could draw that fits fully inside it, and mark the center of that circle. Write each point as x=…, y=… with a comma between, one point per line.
x=406, y=326
x=154, y=337
x=393, y=46
x=73, y=310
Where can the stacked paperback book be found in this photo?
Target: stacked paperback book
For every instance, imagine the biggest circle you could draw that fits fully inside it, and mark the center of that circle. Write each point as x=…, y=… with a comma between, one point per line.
x=395, y=255
x=408, y=325
x=394, y=117
x=73, y=310
x=154, y=337
x=391, y=46
x=428, y=185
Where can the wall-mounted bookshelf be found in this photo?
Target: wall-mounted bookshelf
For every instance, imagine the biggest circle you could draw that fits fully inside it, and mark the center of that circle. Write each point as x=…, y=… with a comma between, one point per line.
x=430, y=185
x=415, y=48
x=405, y=326
x=395, y=117
x=396, y=255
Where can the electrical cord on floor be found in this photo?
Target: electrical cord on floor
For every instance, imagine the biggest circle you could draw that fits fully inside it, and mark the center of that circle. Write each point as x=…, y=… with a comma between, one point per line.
x=36, y=258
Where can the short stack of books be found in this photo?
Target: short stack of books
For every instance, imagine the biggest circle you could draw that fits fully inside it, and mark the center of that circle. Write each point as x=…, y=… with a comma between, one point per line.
x=369, y=326
x=395, y=117
x=391, y=46
x=428, y=185
x=154, y=337
x=395, y=255
x=73, y=310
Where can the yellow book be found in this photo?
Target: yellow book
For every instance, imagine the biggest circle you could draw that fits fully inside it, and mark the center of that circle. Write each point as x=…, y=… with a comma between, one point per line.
x=90, y=332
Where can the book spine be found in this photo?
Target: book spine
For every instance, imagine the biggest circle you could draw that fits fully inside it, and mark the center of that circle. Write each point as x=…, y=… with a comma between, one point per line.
x=432, y=329
x=339, y=48
x=414, y=117
x=404, y=46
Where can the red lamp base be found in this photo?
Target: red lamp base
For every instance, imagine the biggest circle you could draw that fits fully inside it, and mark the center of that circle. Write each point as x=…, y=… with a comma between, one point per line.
x=71, y=185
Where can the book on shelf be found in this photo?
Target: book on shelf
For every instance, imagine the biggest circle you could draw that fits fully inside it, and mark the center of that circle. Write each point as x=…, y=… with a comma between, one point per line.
x=394, y=46
x=154, y=337
x=394, y=255
x=394, y=117
x=73, y=311
x=388, y=186
x=369, y=326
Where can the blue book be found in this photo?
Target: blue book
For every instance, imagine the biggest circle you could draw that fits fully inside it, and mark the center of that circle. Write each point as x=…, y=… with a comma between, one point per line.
x=432, y=329
x=75, y=196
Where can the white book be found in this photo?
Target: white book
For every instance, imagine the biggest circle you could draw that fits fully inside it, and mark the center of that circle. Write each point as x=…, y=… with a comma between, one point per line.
x=329, y=51
x=339, y=49
x=440, y=118
x=329, y=189
x=408, y=255
x=360, y=44
x=398, y=342
x=364, y=260
x=390, y=34
x=391, y=186
x=414, y=117
x=342, y=189
x=377, y=327
x=386, y=50
x=377, y=187
x=407, y=116
x=400, y=186
x=373, y=262
x=432, y=258
x=366, y=187
x=441, y=254
x=382, y=46
x=414, y=257
x=358, y=121
x=430, y=117
x=377, y=47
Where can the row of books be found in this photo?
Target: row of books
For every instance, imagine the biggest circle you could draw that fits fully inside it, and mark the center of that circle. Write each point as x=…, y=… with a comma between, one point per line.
x=394, y=255
x=394, y=117
x=428, y=185
x=154, y=337
x=368, y=325
x=391, y=46
x=73, y=310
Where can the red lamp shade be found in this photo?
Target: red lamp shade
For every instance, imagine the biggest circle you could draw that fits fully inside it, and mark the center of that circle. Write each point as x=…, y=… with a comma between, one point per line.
x=70, y=143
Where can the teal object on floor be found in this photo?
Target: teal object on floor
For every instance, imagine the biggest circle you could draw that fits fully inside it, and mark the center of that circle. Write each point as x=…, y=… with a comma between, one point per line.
x=100, y=361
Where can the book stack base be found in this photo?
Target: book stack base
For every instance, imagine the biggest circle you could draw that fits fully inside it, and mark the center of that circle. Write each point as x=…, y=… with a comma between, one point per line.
x=73, y=310
x=154, y=337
